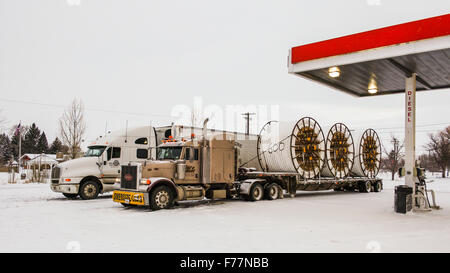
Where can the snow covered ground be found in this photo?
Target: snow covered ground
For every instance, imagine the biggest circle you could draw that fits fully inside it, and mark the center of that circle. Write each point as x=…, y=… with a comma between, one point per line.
x=34, y=219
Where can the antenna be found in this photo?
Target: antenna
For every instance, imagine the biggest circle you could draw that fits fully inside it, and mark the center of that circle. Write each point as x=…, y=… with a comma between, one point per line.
x=126, y=131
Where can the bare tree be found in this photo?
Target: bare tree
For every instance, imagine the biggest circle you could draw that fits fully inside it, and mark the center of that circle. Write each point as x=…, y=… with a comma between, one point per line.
x=394, y=156
x=72, y=127
x=439, y=148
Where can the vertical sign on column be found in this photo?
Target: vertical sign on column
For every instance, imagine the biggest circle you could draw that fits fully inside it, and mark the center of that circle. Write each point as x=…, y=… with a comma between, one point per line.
x=410, y=130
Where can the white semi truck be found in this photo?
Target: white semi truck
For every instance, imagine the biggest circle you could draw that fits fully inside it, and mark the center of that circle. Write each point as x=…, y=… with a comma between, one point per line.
x=99, y=170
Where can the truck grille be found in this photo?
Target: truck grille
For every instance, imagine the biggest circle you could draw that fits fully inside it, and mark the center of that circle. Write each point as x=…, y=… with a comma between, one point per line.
x=56, y=174
x=128, y=177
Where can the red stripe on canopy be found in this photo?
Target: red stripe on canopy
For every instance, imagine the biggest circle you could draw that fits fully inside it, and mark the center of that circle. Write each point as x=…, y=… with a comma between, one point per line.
x=403, y=33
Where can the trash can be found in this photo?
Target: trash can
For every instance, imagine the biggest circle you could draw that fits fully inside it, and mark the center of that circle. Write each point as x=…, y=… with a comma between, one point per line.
x=403, y=199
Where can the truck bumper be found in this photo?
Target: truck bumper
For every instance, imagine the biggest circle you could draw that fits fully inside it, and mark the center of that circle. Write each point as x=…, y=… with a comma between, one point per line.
x=131, y=197
x=65, y=188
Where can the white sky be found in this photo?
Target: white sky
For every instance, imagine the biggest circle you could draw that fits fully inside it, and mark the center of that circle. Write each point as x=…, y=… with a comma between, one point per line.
x=136, y=60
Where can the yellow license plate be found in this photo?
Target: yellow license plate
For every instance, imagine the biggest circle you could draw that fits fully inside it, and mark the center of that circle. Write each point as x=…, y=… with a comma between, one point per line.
x=132, y=198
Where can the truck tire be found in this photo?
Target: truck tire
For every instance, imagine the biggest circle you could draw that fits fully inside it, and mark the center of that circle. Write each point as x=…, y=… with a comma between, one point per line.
x=89, y=190
x=377, y=186
x=70, y=195
x=271, y=192
x=161, y=198
x=256, y=192
x=365, y=186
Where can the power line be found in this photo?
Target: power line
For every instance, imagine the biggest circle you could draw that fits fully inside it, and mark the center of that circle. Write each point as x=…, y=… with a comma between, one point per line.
x=86, y=108
x=422, y=125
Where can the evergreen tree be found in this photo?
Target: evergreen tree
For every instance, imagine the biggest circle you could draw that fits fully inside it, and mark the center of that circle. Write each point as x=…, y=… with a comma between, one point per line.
x=5, y=149
x=42, y=144
x=56, y=146
x=29, y=144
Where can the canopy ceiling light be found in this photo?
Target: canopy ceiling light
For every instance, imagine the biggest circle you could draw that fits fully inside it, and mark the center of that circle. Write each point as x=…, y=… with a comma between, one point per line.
x=334, y=72
x=372, y=88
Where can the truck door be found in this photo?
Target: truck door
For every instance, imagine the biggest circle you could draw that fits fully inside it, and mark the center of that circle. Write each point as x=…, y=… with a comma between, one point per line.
x=192, y=164
x=111, y=163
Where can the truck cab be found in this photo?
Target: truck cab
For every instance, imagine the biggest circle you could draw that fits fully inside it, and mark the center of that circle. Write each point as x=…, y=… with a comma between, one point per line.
x=98, y=171
x=183, y=170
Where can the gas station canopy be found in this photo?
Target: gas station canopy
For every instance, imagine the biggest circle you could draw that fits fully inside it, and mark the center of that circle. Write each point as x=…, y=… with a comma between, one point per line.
x=376, y=62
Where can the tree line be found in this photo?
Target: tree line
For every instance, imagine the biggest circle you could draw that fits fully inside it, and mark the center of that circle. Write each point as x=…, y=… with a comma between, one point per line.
x=437, y=158
x=33, y=142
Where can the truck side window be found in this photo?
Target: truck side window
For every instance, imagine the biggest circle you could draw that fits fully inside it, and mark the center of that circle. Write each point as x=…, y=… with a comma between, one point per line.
x=142, y=153
x=142, y=140
x=188, y=152
x=116, y=152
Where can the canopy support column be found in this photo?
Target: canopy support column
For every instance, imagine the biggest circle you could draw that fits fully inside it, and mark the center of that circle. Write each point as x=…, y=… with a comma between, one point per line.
x=410, y=132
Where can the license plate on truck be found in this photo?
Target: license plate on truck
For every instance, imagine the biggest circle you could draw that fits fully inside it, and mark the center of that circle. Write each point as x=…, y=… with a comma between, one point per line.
x=132, y=198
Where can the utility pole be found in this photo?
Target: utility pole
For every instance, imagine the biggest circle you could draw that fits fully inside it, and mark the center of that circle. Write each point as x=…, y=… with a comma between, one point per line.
x=20, y=151
x=248, y=118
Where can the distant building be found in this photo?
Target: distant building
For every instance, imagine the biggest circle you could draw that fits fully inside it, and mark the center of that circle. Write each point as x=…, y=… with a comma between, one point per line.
x=39, y=159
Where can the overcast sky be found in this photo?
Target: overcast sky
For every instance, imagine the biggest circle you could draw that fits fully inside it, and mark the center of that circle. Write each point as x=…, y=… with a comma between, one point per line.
x=136, y=60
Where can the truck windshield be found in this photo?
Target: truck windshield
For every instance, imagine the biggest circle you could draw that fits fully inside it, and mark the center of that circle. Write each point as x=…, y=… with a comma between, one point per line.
x=169, y=153
x=94, y=151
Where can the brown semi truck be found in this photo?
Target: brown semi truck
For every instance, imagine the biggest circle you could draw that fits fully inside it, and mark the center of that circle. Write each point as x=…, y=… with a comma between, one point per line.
x=211, y=168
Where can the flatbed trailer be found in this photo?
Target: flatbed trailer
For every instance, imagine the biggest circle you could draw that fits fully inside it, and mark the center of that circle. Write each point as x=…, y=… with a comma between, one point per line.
x=293, y=182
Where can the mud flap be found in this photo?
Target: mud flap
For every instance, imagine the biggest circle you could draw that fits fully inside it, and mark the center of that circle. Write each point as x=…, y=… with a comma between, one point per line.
x=280, y=192
x=292, y=186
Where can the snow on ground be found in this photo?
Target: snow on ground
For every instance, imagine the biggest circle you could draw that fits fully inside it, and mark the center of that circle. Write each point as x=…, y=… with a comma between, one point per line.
x=35, y=219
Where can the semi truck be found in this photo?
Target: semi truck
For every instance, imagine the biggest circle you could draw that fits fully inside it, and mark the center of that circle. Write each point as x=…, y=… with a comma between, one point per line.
x=210, y=167
x=99, y=170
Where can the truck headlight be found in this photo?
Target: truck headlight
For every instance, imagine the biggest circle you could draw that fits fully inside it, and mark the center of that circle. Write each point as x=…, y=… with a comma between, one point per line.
x=145, y=181
x=117, y=180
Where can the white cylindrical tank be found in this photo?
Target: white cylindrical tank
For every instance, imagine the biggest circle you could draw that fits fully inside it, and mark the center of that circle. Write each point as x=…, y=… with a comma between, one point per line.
x=367, y=154
x=339, y=151
x=297, y=147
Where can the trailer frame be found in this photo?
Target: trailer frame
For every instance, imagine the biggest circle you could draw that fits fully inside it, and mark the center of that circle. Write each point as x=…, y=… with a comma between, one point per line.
x=293, y=182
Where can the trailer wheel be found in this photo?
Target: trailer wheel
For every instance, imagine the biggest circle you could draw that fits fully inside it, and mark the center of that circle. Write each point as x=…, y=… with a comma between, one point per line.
x=377, y=186
x=89, y=190
x=70, y=195
x=365, y=186
x=161, y=198
x=256, y=192
x=271, y=192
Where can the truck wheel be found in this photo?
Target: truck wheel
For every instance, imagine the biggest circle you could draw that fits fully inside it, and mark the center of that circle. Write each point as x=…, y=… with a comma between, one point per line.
x=256, y=192
x=377, y=186
x=89, y=190
x=70, y=195
x=161, y=198
x=365, y=186
x=271, y=192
